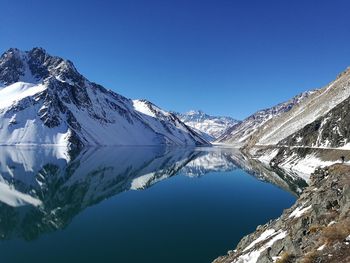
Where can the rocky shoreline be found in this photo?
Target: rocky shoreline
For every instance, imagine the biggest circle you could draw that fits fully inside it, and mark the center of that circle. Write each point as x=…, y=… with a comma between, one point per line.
x=315, y=229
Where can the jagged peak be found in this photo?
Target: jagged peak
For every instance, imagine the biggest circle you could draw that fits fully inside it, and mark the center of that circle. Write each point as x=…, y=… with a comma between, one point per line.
x=12, y=51
x=201, y=114
x=15, y=65
x=16, y=51
x=38, y=50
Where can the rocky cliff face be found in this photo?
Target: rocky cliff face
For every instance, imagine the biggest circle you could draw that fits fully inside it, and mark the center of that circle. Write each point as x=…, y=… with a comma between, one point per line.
x=315, y=229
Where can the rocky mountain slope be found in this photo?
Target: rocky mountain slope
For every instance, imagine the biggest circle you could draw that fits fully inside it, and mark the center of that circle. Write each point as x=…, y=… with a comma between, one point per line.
x=315, y=229
x=328, y=131
x=212, y=127
x=240, y=133
x=315, y=119
x=45, y=100
x=301, y=120
x=316, y=106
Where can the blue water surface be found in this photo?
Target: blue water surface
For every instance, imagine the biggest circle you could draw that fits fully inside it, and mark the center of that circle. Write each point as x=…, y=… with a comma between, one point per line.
x=134, y=205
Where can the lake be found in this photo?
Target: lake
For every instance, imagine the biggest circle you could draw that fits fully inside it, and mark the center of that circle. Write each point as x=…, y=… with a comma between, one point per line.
x=133, y=204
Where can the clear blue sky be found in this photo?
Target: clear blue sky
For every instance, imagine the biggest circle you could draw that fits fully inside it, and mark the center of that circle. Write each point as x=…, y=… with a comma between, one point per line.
x=224, y=57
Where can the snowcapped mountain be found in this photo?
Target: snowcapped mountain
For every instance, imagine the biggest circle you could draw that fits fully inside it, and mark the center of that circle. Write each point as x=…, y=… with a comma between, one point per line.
x=45, y=100
x=239, y=134
x=212, y=127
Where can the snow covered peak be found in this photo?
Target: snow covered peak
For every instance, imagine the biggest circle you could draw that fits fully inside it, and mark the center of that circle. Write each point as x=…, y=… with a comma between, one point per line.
x=195, y=112
x=195, y=115
x=211, y=127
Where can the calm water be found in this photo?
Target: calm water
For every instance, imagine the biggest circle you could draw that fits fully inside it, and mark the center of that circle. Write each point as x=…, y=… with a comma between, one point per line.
x=132, y=204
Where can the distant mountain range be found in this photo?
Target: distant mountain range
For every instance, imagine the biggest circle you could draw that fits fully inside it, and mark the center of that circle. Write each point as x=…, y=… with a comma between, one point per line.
x=210, y=127
x=44, y=100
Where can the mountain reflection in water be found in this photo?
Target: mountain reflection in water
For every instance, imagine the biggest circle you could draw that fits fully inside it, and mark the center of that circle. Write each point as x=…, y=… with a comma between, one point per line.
x=43, y=188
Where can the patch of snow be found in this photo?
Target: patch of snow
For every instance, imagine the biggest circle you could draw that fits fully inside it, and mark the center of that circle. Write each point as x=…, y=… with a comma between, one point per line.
x=276, y=258
x=141, y=182
x=266, y=158
x=268, y=233
x=321, y=247
x=142, y=107
x=345, y=147
x=17, y=91
x=253, y=256
x=299, y=139
x=14, y=198
x=28, y=129
x=304, y=167
x=331, y=223
x=298, y=212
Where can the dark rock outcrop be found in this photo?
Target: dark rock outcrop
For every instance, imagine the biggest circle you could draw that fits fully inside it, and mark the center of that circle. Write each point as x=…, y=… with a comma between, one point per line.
x=330, y=130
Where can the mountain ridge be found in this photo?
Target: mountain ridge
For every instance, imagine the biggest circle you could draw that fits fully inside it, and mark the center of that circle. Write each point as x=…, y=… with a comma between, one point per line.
x=239, y=134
